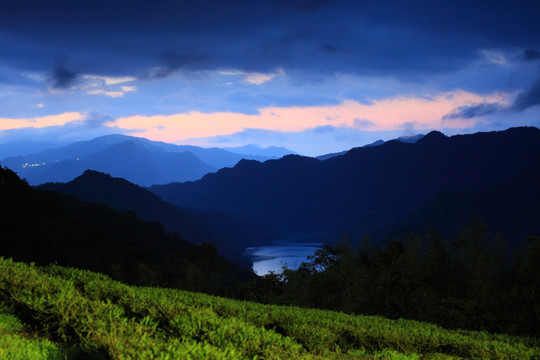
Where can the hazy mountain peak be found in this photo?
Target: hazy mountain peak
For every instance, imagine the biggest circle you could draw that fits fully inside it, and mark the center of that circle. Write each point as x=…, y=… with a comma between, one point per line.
x=271, y=151
x=246, y=163
x=375, y=143
x=410, y=138
x=112, y=138
x=432, y=137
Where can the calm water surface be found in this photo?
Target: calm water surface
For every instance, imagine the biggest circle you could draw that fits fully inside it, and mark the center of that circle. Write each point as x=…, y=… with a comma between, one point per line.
x=290, y=252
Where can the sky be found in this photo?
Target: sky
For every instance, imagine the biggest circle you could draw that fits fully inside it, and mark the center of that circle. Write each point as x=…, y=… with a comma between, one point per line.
x=314, y=76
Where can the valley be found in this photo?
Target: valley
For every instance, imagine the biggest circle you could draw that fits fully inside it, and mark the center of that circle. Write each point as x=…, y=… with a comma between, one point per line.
x=383, y=230
x=260, y=180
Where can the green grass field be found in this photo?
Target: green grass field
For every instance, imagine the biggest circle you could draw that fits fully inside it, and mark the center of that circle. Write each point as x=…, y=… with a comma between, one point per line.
x=58, y=313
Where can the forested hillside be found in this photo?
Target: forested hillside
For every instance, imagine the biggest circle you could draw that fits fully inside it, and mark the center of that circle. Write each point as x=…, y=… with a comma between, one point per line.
x=364, y=190
x=231, y=235
x=464, y=282
x=47, y=227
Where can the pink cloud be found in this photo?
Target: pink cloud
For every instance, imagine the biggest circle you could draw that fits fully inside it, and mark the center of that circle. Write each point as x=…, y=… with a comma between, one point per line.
x=387, y=114
x=40, y=122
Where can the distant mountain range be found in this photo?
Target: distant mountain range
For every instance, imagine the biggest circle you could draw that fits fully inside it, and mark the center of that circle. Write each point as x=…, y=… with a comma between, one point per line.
x=388, y=189
x=231, y=235
x=271, y=151
x=138, y=160
x=365, y=189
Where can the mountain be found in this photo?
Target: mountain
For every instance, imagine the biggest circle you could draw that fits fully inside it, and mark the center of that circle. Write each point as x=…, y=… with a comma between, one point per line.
x=375, y=143
x=77, y=149
x=128, y=159
x=406, y=139
x=363, y=190
x=510, y=208
x=411, y=139
x=139, y=160
x=269, y=152
x=47, y=227
x=331, y=155
x=220, y=158
x=230, y=235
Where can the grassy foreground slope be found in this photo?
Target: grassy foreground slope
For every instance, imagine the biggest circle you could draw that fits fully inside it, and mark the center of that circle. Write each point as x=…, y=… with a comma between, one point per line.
x=55, y=312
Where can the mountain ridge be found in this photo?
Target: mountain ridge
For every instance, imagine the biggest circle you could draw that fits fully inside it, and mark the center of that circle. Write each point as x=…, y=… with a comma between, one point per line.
x=510, y=208
x=364, y=189
x=47, y=227
x=229, y=234
x=158, y=162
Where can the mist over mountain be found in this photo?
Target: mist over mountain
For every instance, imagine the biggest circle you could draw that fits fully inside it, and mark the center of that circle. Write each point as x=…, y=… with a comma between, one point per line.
x=128, y=159
x=139, y=160
x=231, y=235
x=271, y=151
x=364, y=189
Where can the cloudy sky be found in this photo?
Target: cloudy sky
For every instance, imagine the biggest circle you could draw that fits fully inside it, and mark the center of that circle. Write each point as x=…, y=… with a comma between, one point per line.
x=315, y=76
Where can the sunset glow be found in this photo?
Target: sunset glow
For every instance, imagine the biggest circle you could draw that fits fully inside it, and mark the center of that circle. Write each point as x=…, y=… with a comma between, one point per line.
x=314, y=77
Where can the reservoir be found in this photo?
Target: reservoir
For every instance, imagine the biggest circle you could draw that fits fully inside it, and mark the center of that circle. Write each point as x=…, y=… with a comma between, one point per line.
x=290, y=252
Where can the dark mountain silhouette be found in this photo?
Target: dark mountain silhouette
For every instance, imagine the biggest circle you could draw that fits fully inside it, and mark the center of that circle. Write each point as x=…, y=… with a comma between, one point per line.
x=364, y=189
x=48, y=227
x=510, y=208
x=406, y=139
x=331, y=155
x=230, y=235
x=139, y=160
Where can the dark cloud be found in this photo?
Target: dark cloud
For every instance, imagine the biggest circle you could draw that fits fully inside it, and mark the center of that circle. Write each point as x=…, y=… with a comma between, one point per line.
x=528, y=97
x=173, y=61
x=412, y=38
x=252, y=101
x=530, y=55
x=306, y=5
x=334, y=49
x=61, y=76
x=472, y=111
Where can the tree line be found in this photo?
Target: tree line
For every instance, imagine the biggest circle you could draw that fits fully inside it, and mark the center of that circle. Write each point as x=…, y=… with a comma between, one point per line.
x=468, y=282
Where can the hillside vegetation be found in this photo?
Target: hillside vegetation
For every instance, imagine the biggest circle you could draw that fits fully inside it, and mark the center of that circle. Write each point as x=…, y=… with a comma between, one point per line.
x=464, y=282
x=230, y=235
x=55, y=312
x=47, y=227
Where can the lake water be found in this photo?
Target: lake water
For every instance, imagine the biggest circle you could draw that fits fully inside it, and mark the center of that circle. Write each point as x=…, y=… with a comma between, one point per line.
x=290, y=252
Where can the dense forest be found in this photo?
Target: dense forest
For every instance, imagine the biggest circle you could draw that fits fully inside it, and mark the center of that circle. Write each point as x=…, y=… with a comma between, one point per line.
x=467, y=282
x=47, y=227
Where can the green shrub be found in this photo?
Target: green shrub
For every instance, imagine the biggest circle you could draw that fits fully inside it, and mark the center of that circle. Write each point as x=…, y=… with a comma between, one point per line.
x=77, y=309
